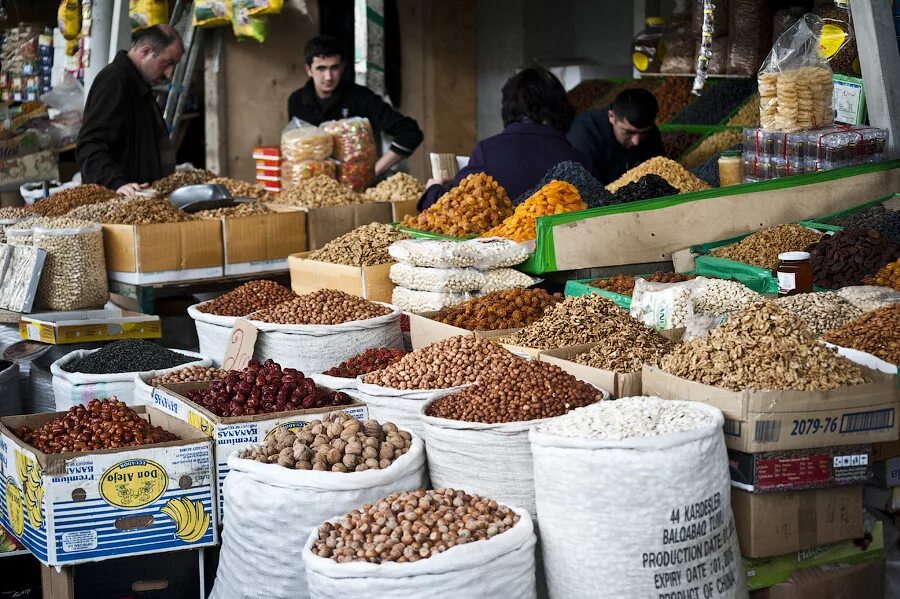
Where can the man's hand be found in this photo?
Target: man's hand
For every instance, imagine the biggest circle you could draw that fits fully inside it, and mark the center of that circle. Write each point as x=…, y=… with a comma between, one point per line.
x=431, y=182
x=130, y=189
x=387, y=160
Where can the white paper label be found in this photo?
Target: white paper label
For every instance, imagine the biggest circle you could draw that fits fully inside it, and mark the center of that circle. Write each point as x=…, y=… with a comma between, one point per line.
x=787, y=281
x=83, y=540
x=847, y=100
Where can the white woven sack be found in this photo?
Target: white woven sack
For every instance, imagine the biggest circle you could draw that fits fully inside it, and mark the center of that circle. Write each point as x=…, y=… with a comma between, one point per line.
x=143, y=390
x=316, y=348
x=496, y=568
x=74, y=388
x=272, y=510
x=213, y=333
x=606, y=507
x=335, y=383
x=403, y=408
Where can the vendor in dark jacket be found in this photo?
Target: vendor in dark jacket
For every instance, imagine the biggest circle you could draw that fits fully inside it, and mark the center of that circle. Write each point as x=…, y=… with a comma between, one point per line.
x=536, y=115
x=620, y=136
x=123, y=143
x=326, y=97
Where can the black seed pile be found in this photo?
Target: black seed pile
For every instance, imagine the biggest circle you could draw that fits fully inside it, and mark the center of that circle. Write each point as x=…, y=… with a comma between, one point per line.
x=677, y=142
x=717, y=102
x=590, y=188
x=886, y=222
x=128, y=355
x=648, y=186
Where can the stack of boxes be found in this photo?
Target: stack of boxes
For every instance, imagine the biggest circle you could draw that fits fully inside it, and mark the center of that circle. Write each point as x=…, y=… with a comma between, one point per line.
x=27, y=62
x=268, y=167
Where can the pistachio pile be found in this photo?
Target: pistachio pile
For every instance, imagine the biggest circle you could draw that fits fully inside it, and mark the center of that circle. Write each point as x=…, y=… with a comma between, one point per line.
x=363, y=246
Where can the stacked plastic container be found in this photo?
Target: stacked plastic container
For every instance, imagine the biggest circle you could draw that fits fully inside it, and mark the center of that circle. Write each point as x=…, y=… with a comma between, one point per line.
x=268, y=167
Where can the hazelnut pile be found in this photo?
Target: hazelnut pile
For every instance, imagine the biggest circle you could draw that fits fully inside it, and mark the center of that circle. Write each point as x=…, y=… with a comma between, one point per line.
x=325, y=306
x=512, y=309
x=366, y=362
x=337, y=443
x=190, y=374
x=68, y=199
x=264, y=389
x=247, y=298
x=449, y=363
x=409, y=526
x=102, y=424
x=527, y=390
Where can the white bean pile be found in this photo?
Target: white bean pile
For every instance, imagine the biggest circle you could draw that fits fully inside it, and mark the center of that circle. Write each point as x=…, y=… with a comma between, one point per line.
x=628, y=417
x=501, y=279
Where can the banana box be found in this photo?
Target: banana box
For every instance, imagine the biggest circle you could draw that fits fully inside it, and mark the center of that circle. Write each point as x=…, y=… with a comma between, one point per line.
x=71, y=508
x=236, y=433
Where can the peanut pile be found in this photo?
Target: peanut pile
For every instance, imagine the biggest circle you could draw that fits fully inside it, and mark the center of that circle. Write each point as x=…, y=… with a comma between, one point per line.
x=189, y=375
x=627, y=353
x=363, y=246
x=668, y=169
x=511, y=309
x=876, y=332
x=449, y=363
x=408, y=526
x=247, y=298
x=476, y=205
x=62, y=202
x=575, y=321
x=762, y=347
x=180, y=179
x=761, y=249
x=528, y=390
x=337, y=443
x=242, y=189
x=317, y=192
x=325, y=306
x=624, y=284
x=399, y=187
x=557, y=197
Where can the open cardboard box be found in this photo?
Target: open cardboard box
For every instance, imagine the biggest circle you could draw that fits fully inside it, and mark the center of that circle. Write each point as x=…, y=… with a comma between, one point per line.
x=139, y=254
x=425, y=331
x=120, y=492
x=240, y=432
x=532, y=353
x=767, y=420
x=82, y=326
x=368, y=282
x=619, y=384
x=262, y=242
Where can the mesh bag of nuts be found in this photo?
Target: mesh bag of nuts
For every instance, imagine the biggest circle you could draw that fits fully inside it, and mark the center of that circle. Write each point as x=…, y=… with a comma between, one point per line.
x=493, y=550
x=483, y=254
x=74, y=275
x=412, y=300
x=302, y=499
x=436, y=279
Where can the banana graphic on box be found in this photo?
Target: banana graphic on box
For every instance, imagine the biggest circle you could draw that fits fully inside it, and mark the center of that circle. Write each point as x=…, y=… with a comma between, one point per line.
x=32, y=488
x=191, y=520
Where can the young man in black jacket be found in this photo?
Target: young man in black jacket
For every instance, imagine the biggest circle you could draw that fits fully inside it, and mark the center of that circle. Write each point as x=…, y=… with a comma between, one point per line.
x=123, y=143
x=326, y=97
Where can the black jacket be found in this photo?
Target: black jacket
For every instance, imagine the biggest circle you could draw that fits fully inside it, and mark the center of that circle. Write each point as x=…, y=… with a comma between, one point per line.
x=350, y=99
x=120, y=139
x=592, y=134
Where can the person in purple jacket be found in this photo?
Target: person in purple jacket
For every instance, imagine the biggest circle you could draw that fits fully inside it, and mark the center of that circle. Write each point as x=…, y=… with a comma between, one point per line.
x=536, y=116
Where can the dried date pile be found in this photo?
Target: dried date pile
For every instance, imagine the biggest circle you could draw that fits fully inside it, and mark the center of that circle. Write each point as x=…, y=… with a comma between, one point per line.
x=527, y=390
x=762, y=347
x=849, y=256
x=102, y=424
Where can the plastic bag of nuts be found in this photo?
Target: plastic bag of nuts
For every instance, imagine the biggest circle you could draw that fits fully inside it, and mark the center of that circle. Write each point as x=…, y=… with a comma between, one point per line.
x=303, y=499
x=501, y=279
x=436, y=279
x=411, y=300
x=488, y=551
x=74, y=275
x=483, y=254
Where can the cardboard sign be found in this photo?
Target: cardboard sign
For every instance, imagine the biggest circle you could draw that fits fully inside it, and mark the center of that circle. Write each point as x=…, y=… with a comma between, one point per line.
x=240, y=345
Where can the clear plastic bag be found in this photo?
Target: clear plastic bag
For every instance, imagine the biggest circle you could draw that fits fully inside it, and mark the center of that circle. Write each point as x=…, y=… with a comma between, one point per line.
x=294, y=172
x=699, y=325
x=663, y=306
x=74, y=275
x=436, y=279
x=353, y=139
x=482, y=253
x=301, y=141
x=427, y=301
x=501, y=279
x=795, y=81
x=497, y=252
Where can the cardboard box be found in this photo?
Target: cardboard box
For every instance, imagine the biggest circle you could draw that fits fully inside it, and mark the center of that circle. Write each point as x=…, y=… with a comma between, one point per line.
x=262, y=242
x=81, y=507
x=766, y=572
x=235, y=433
x=800, y=469
x=325, y=224
x=139, y=254
x=82, y=326
x=369, y=282
x=425, y=331
x=831, y=581
x=887, y=472
x=617, y=383
x=767, y=420
x=771, y=524
x=400, y=210
x=884, y=451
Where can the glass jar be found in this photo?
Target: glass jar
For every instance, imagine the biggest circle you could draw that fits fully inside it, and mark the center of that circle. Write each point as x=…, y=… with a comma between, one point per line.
x=729, y=168
x=794, y=273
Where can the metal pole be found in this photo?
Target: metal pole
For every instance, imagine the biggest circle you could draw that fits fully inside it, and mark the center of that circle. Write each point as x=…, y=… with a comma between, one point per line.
x=186, y=81
x=101, y=28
